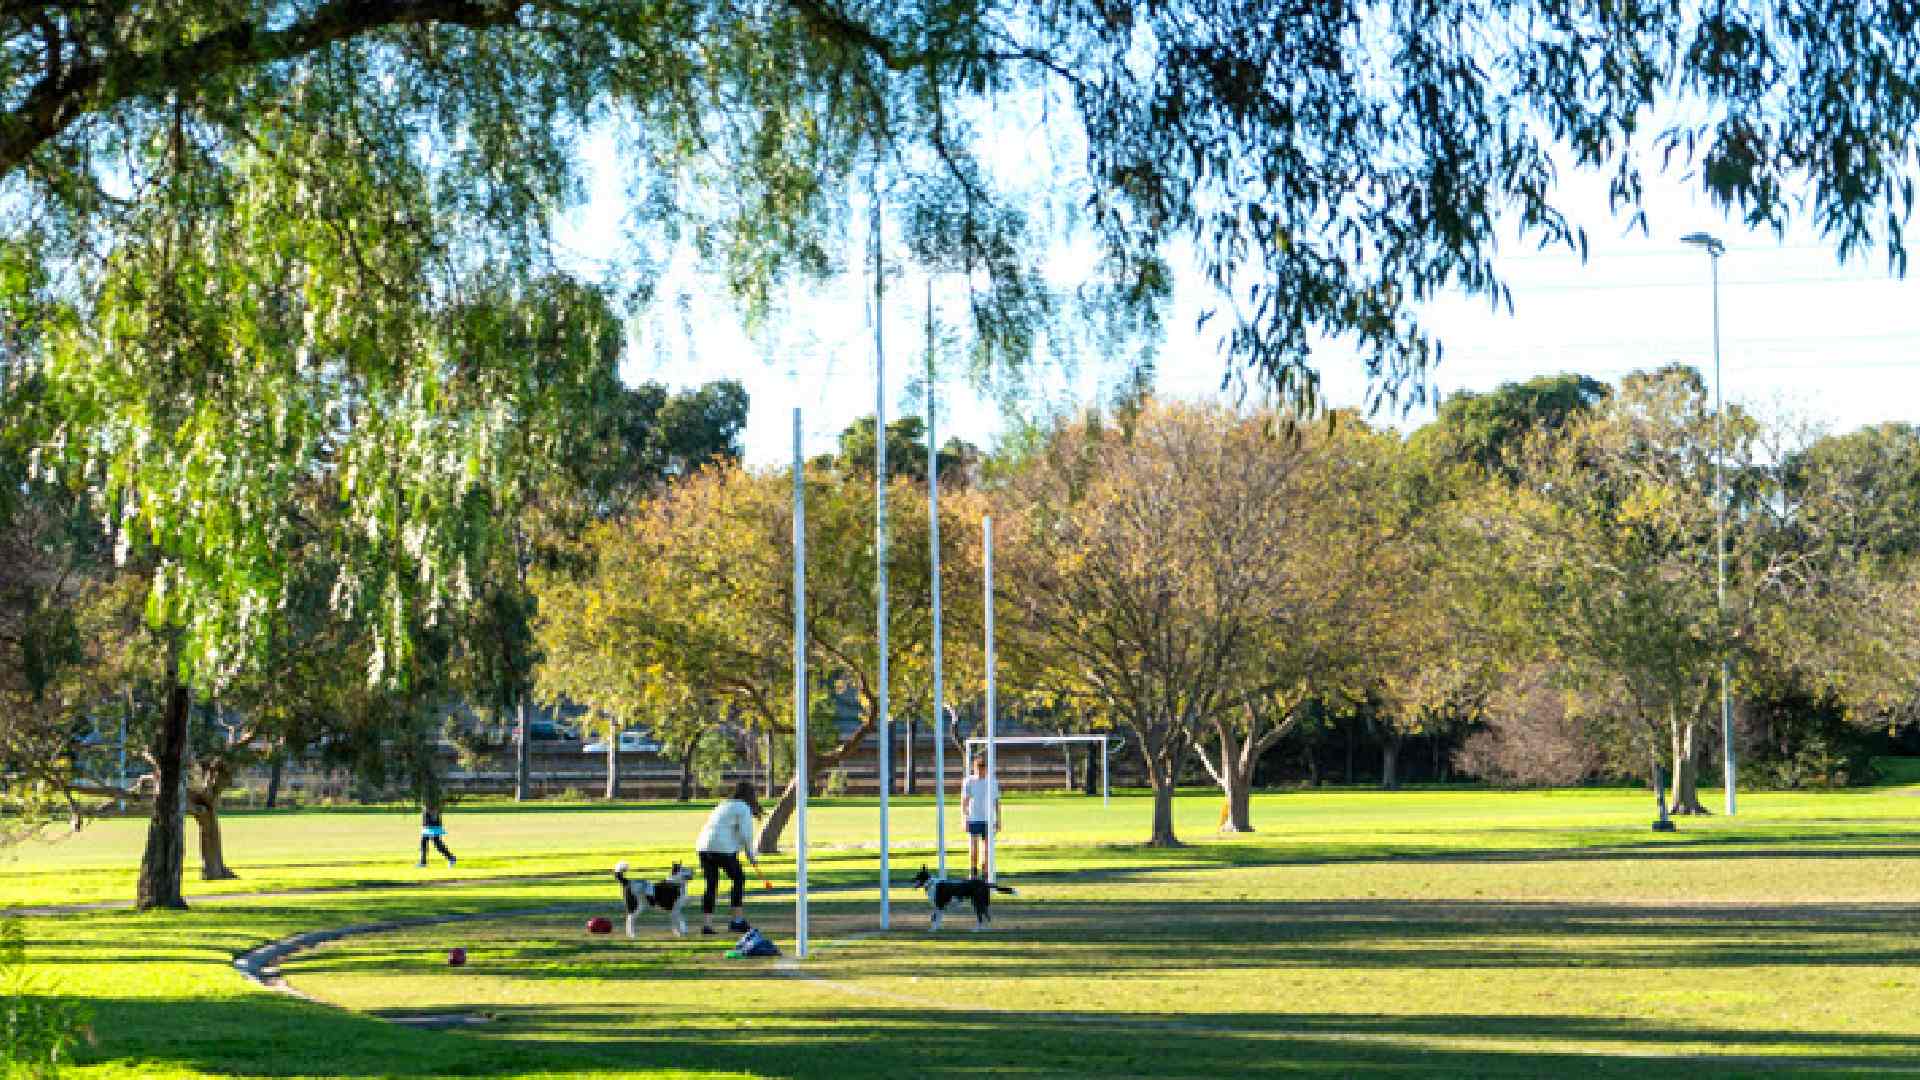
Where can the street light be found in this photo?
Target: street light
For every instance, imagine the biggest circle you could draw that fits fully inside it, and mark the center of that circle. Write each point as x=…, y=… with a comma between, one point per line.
x=1714, y=249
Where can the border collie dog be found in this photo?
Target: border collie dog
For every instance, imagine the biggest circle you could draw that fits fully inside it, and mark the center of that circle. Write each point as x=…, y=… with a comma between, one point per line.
x=669, y=896
x=944, y=891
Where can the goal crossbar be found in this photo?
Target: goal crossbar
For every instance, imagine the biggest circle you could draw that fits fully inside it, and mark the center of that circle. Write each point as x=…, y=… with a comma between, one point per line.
x=1107, y=743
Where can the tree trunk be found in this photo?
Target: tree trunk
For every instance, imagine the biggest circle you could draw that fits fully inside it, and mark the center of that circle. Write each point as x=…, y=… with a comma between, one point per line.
x=777, y=819
x=1239, y=797
x=160, y=866
x=816, y=763
x=1090, y=775
x=1390, y=762
x=613, y=765
x=686, y=770
x=1163, y=835
x=1350, y=748
x=523, y=755
x=909, y=787
x=1313, y=765
x=273, y=782
x=205, y=806
x=1686, y=794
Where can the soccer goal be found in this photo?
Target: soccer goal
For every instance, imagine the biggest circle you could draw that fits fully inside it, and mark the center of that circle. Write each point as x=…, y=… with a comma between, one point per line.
x=1107, y=743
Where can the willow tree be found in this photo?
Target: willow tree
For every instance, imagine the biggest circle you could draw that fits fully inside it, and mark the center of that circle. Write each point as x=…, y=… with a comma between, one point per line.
x=299, y=310
x=1331, y=166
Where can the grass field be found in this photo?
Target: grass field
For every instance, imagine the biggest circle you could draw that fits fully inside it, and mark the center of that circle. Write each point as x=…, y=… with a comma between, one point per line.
x=1358, y=933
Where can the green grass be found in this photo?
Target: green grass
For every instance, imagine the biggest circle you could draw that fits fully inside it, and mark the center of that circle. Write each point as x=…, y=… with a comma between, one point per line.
x=1358, y=933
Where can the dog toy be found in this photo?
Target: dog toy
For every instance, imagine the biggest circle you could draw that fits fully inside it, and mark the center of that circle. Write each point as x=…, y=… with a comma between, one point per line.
x=456, y=957
x=599, y=924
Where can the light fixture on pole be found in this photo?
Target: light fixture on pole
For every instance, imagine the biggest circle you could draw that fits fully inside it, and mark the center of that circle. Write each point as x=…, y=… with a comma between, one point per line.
x=1714, y=249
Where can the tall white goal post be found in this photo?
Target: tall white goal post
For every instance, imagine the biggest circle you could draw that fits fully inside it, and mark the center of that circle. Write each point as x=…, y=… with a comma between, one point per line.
x=1106, y=745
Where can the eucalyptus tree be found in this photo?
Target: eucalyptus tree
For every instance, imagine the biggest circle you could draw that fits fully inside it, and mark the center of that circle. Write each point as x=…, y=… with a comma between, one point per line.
x=1141, y=571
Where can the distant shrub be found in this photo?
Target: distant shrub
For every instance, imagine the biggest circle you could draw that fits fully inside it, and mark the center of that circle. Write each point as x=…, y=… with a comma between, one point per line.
x=1532, y=738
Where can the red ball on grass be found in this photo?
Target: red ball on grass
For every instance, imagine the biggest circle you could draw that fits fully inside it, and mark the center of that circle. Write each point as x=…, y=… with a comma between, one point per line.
x=456, y=957
x=599, y=924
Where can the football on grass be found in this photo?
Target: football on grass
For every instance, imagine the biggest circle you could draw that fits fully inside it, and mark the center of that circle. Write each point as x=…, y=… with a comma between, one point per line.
x=599, y=924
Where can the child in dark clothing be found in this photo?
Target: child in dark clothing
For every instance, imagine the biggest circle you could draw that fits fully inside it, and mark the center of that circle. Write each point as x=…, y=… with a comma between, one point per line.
x=431, y=830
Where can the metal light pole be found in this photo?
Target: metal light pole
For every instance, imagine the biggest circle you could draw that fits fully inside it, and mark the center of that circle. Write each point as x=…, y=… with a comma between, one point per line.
x=993, y=705
x=800, y=699
x=880, y=562
x=933, y=543
x=1714, y=249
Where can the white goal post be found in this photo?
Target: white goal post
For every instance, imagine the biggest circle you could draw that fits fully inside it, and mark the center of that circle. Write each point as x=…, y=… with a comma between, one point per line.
x=1106, y=744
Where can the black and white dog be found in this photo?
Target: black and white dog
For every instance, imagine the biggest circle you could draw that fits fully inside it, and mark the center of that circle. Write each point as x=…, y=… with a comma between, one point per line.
x=944, y=891
x=669, y=896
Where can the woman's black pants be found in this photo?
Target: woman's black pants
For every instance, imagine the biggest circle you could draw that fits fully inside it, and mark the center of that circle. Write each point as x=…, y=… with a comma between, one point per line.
x=711, y=863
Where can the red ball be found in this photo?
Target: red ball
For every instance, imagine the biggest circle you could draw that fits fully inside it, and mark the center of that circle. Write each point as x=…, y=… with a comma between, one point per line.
x=456, y=957
x=599, y=924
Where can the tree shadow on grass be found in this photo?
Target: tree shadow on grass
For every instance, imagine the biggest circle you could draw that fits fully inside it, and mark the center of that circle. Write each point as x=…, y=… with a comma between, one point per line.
x=266, y=1035
x=1124, y=940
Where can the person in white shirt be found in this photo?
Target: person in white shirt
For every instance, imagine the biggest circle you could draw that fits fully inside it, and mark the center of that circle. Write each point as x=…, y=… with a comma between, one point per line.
x=980, y=805
x=728, y=833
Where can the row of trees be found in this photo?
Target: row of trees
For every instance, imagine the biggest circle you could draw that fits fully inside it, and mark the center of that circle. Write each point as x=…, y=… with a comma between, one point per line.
x=282, y=310
x=1533, y=572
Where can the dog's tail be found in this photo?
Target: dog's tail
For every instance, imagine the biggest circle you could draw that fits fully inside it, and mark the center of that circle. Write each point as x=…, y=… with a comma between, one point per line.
x=1008, y=889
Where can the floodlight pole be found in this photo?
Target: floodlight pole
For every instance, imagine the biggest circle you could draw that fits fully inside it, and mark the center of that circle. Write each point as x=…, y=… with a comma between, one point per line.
x=993, y=774
x=799, y=692
x=880, y=555
x=1714, y=249
x=933, y=543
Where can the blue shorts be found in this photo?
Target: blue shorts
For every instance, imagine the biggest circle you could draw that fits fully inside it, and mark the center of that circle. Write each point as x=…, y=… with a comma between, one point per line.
x=976, y=828
x=430, y=831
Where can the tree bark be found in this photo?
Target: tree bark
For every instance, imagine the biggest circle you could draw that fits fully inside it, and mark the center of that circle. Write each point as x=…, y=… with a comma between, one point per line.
x=1390, y=762
x=909, y=787
x=1240, y=807
x=273, y=782
x=1350, y=748
x=1686, y=772
x=1163, y=835
x=1163, y=772
x=686, y=769
x=782, y=811
x=205, y=806
x=1090, y=773
x=160, y=866
x=613, y=765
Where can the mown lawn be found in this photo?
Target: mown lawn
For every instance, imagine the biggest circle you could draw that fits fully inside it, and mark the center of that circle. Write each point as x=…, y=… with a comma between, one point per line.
x=1472, y=933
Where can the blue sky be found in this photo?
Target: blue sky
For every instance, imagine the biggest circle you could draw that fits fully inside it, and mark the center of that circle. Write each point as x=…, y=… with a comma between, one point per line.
x=1837, y=343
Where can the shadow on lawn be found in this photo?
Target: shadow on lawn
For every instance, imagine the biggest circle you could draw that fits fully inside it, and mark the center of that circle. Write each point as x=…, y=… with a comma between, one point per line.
x=269, y=1036
x=1137, y=940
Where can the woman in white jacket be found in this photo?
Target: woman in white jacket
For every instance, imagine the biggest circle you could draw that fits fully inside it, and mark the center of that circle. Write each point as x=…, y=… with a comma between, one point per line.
x=728, y=833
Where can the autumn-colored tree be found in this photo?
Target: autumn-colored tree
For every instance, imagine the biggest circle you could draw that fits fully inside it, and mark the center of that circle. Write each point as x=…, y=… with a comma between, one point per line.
x=1141, y=569
x=693, y=595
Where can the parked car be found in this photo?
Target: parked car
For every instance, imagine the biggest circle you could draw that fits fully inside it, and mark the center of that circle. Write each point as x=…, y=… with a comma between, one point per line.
x=549, y=731
x=631, y=742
